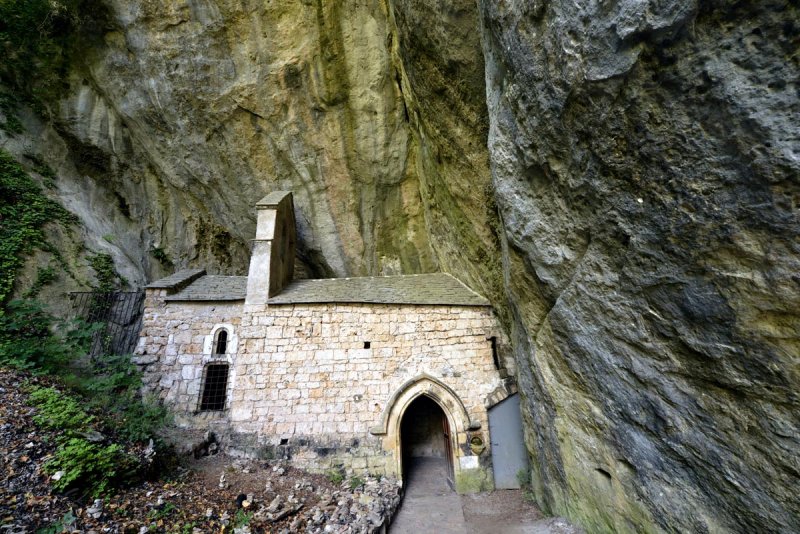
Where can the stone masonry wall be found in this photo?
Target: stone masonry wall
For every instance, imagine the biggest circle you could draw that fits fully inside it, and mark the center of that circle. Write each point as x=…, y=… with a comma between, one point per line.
x=303, y=385
x=174, y=347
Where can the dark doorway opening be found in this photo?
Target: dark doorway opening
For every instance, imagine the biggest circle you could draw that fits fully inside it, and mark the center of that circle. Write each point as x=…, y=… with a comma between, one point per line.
x=426, y=444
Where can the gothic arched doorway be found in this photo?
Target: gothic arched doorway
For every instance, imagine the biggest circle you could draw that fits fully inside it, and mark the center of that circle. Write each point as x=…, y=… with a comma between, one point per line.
x=426, y=441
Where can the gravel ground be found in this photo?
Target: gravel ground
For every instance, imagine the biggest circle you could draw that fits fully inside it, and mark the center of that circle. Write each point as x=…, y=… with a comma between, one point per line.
x=210, y=494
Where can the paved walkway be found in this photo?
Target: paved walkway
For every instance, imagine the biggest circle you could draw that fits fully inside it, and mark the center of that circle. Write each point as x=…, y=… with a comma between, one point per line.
x=429, y=505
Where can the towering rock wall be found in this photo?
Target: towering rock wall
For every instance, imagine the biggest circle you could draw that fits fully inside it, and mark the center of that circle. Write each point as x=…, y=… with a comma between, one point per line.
x=189, y=111
x=642, y=156
x=645, y=159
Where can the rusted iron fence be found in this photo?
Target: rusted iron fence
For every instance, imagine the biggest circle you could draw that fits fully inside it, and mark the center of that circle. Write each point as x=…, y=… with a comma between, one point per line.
x=118, y=312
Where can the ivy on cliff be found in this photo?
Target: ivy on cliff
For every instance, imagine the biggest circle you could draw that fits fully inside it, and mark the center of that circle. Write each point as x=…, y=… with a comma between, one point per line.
x=38, y=39
x=24, y=212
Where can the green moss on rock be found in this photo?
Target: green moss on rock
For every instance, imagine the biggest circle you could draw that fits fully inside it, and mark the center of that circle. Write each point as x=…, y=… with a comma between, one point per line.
x=474, y=481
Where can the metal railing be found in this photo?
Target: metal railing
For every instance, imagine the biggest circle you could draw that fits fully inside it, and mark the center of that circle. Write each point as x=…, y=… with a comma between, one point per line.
x=120, y=314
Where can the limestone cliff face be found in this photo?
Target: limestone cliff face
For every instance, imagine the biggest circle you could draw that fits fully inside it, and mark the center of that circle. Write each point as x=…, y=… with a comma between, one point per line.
x=645, y=159
x=642, y=156
x=191, y=111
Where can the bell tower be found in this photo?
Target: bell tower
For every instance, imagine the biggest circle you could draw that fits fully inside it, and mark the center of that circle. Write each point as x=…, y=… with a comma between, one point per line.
x=272, y=257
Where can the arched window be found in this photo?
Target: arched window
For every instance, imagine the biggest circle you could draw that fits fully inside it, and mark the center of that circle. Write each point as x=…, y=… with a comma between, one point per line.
x=215, y=387
x=221, y=343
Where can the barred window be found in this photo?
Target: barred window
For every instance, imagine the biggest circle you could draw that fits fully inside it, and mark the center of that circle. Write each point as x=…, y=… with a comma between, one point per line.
x=215, y=386
x=221, y=345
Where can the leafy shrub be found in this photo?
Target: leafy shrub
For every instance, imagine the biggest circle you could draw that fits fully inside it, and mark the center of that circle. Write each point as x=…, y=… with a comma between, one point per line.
x=62, y=525
x=163, y=512
x=356, y=482
x=58, y=411
x=27, y=340
x=143, y=419
x=86, y=464
x=335, y=476
x=242, y=518
x=114, y=388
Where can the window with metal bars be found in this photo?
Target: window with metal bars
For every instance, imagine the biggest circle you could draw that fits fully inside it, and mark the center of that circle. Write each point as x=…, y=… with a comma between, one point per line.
x=215, y=386
x=221, y=345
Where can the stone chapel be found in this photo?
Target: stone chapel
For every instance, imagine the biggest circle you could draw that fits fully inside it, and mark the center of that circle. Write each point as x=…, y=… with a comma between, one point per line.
x=360, y=373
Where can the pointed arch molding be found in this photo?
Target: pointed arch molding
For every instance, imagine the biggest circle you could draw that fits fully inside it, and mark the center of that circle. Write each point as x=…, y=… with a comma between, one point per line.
x=440, y=392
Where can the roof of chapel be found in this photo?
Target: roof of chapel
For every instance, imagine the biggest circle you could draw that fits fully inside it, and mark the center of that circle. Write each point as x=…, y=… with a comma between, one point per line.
x=418, y=289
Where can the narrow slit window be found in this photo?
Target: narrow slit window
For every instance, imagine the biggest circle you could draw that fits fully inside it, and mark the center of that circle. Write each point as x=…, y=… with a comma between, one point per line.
x=495, y=356
x=221, y=346
x=215, y=386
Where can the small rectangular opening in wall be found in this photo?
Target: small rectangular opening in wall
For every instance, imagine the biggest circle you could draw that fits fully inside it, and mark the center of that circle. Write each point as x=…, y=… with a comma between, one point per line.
x=367, y=344
x=215, y=386
x=495, y=356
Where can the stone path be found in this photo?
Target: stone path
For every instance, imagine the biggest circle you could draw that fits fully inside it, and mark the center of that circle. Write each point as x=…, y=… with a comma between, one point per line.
x=508, y=512
x=430, y=506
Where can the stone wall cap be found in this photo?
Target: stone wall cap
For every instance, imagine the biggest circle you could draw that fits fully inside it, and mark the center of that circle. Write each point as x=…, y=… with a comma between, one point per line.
x=177, y=280
x=273, y=199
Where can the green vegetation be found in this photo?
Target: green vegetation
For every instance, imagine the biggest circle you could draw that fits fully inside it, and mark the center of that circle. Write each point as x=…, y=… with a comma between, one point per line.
x=43, y=169
x=112, y=388
x=242, y=518
x=27, y=340
x=89, y=465
x=335, y=476
x=10, y=124
x=24, y=212
x=104, y=400
x=95, y=414
x=107, y=277
x=78, y=460
x=356, y=482
x=38, y=39
x=524, y=481
x=163, y=512
x=44, y=276
x=59, y=412
x=159, y=254
x=59, y=526
x=524, y=478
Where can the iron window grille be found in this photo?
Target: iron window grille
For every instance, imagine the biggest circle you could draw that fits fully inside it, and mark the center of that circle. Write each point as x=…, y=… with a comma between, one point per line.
x=215, y=387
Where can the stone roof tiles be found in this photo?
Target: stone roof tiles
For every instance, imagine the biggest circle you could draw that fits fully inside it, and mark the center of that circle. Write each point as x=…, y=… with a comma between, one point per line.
x=213, y=287
x=177, y=280
x=430, y=289
x=421, y=289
